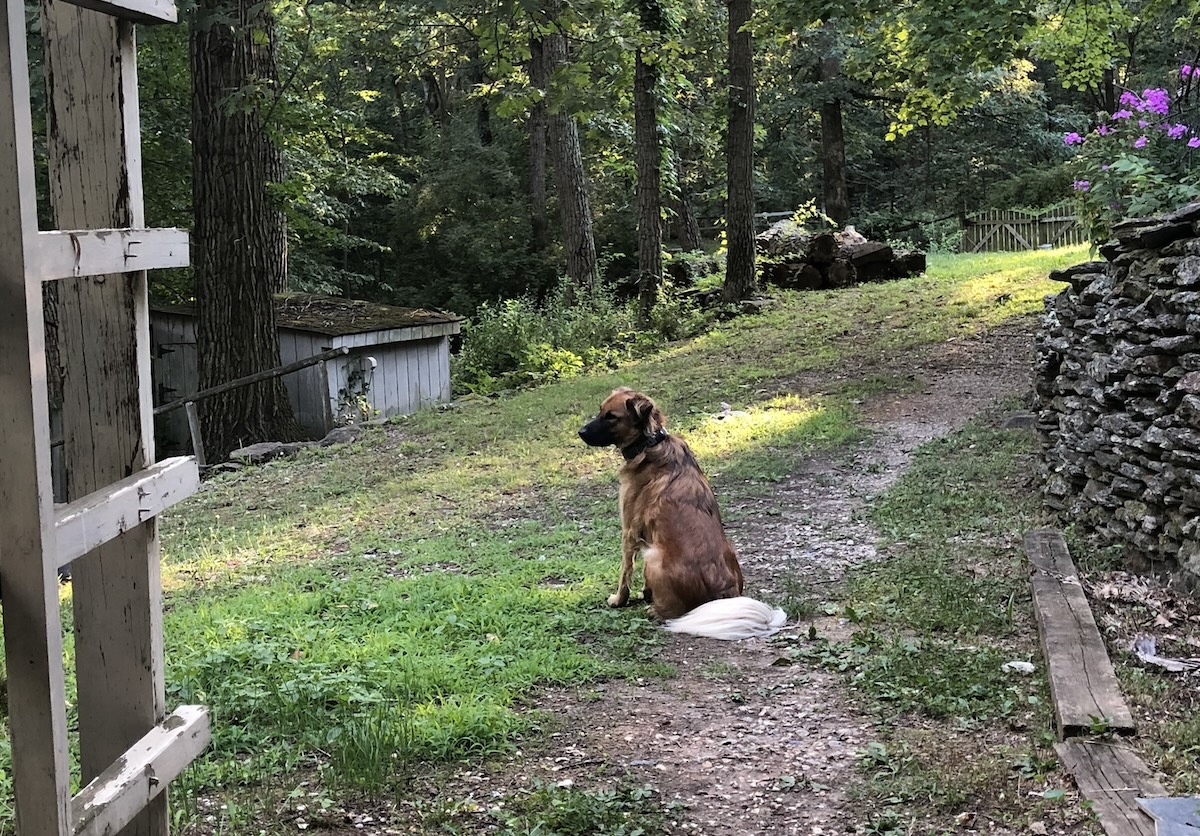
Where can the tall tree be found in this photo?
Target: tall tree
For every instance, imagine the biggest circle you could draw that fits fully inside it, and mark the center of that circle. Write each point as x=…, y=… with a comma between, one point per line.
x=833, y=144
x=570, y=178
x=647, y=154
x=739, y=157
x=539, y=77
x=239, y=238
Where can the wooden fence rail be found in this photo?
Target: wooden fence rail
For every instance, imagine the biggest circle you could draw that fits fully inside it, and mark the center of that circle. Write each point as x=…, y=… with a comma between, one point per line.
x=1008, y=230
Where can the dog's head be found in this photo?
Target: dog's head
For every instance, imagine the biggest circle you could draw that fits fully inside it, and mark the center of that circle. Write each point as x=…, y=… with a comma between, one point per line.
x=625, y=418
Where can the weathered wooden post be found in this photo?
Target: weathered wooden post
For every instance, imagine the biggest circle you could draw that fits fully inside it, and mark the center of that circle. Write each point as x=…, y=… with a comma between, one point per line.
x=129, y=751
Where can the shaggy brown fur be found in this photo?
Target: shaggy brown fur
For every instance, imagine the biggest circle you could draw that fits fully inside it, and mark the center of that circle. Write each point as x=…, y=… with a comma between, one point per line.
x=668, y=511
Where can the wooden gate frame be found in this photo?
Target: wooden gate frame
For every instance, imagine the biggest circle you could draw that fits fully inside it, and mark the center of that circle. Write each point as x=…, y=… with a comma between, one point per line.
x=129, y=750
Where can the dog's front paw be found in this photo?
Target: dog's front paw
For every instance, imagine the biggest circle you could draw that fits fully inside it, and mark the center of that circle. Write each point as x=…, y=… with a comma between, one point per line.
x=618, y=599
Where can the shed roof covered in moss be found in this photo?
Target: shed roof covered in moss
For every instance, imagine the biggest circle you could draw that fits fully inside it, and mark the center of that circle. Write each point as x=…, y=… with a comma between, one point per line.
x=335, y=316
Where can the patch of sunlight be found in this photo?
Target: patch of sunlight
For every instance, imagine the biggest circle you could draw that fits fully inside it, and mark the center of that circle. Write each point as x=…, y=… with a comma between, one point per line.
x=957, y=264
x=742, y=430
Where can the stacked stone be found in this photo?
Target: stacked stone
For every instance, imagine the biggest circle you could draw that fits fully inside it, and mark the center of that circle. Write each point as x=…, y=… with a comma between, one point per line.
x=1118, y=384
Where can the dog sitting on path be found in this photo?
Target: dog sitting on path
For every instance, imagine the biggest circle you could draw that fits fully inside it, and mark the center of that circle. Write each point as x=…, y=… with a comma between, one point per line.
x=693, y=581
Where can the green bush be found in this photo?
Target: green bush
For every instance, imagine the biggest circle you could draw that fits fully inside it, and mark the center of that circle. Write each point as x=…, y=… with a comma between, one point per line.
x=522, y=342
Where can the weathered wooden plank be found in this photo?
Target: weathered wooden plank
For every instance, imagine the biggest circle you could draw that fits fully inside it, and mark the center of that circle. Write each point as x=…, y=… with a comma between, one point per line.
x=134, y=11
x=1083, y=685
x=443, y=365
x=67, y=254
x=106, y=514
x=32, y=627
x=393, y=335
x=1112, y=777
x=95, y=183
x=114, y=797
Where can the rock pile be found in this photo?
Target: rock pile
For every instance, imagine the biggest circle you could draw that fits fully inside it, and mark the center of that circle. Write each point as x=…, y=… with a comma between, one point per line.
x=1118, y=381
x=792, y=256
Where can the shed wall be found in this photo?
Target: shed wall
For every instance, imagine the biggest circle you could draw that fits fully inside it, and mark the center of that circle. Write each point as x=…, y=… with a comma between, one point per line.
x=306, y=389
x=407, y=376
x=175, y=374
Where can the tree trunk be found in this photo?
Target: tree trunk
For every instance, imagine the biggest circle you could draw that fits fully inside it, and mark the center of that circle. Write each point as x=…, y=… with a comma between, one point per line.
x=688, y=225
x=540, y=239
x=483, y=115
x=239, y=239
x=570, y=181
x=833, y=148
x=1108, y=92
x=739, y=208
x=648, y=158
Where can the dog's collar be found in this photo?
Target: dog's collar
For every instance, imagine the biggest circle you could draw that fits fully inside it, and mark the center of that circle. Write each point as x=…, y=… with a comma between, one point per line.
x=645, y=443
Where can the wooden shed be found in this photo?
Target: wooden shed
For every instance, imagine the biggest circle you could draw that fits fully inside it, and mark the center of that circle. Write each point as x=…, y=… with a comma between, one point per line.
x=398, y=360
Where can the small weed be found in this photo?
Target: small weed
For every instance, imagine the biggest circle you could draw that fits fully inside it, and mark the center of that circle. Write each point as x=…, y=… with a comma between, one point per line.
x=877, y=758
x=888, y=823
x=626, y=810
x=719, y=669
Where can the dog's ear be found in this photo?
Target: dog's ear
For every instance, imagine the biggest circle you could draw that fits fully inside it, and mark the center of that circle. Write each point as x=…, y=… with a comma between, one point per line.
x=644, y=413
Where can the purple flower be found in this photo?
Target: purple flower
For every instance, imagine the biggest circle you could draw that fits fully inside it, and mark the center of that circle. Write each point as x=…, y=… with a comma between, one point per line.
x=1122, y=114
x=1082, y=185
x=1072, y=138
x=1177, y=130
x=1102, y=130
x=1194, y=142
x=1130, y=99
x=1140, y=142
x=1185, y=71
x=1155, y=100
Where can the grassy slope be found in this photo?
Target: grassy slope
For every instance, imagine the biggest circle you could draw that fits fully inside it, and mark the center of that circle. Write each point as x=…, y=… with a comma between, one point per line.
x=402, y=593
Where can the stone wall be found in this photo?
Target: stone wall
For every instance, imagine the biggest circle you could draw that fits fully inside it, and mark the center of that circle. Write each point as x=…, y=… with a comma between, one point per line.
x=1118, y=386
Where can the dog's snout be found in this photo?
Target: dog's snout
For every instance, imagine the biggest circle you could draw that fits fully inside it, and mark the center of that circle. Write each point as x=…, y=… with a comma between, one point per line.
x=595, y=434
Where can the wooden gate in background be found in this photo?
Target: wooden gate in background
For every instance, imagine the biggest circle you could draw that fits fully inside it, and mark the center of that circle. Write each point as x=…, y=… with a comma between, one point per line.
x=1009, y=230
x=96, y=260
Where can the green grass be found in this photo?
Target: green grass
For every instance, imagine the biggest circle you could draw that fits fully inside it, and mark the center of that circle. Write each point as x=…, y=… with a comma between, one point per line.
x=356, y=611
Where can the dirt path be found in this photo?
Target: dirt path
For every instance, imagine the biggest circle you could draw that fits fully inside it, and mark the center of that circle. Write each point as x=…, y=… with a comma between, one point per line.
x=747, y=747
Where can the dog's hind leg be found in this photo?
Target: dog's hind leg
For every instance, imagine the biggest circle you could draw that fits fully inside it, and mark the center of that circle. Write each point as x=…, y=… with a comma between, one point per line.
x=650, y=572
x=629, y=547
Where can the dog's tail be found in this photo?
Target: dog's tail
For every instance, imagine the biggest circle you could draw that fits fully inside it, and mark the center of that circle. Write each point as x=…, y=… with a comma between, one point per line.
x=730, y=619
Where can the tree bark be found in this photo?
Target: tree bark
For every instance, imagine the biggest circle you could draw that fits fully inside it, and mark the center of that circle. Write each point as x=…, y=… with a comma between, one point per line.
x=648, y=157
x=239, y=240
x=570, y=181
x=833, y=148
x=483, y=113
x=688, y=225
x=739, y=208
x=540, y=230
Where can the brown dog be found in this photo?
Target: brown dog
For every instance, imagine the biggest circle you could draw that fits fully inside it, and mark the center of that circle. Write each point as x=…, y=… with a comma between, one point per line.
x=669, y=512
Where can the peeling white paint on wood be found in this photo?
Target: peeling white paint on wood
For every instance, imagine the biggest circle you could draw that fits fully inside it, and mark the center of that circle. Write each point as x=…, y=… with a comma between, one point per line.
x=119, y=793
x=135, y=11
x=72, y=253
x=32, y=627
x=106, y=514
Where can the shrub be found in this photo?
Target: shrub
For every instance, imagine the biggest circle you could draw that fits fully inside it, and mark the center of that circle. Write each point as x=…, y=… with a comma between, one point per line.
x=522, y=342
x=1141, y=160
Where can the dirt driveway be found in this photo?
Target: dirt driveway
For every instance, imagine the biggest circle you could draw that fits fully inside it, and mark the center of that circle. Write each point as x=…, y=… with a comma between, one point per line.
x=747, y=747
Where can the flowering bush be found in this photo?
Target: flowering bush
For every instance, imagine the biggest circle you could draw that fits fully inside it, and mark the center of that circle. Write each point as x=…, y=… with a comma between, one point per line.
x=1140, y=160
